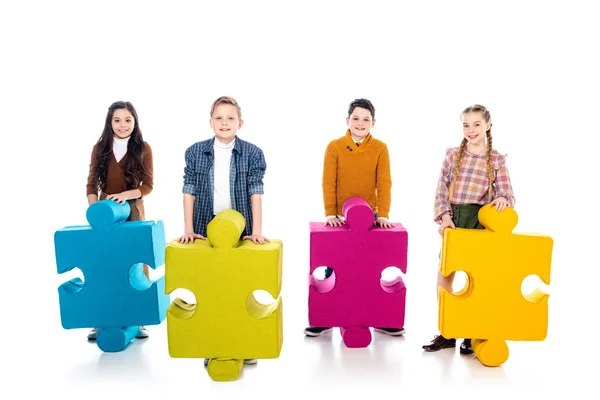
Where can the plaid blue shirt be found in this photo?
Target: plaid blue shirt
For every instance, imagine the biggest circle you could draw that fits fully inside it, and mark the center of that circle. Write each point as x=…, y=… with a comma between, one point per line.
x=246, y=174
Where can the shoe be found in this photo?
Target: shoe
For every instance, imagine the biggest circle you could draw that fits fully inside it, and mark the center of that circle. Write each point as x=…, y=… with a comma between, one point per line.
x=439, y=342
x=390, y=331
x=465, y=347
x=315, y=331
x=142, y=333
x=93, y=334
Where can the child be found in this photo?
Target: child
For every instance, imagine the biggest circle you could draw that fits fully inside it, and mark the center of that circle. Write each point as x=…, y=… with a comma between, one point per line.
x=472, y=175
x=357, y=165
x=222, y=173
x=121, y=169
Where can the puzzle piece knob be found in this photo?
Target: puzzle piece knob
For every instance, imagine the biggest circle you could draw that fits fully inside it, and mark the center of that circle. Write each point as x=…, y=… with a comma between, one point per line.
x=105, y=213
x=491, y=352
x=358, y=213
x=498, y=221
x=224, y=369
x=226, y=228
x=115, y=339
x=356, y=336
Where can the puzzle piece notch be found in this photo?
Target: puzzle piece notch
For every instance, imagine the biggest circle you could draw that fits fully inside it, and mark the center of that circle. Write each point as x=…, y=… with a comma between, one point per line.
x=102, y=251
x=322, y=285
x=394, y=285
x=106, y=213
x=358, y=214
x=357, y=253
x=227, y=322
x=491, y=308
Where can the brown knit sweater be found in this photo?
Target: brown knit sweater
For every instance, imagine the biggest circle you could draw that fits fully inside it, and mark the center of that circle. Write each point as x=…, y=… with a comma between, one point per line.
x=351, y=170
x=115, y=179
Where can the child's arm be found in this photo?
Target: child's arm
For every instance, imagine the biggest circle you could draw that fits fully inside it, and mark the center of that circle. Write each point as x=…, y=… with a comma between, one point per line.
x=256, y=236
x=91, y=190
x=503, y=188
x=384, y=189
x=442, y=202
x=257, y=167
x=330, y=186
x=188, y=220
x=189, y=197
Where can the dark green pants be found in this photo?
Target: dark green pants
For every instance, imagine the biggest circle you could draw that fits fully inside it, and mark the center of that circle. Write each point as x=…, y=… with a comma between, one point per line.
x=465, y=216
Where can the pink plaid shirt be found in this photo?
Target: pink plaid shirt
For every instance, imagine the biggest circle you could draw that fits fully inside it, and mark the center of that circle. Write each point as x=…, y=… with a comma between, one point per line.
x=471, y=187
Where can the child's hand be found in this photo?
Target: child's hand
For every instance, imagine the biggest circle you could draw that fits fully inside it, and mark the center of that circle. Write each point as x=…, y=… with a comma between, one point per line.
x=256, y=238
x=384, y=223
x=446, y=223
x=334, y=221
x=501, y=203
x=189, y=238
x=120, y=198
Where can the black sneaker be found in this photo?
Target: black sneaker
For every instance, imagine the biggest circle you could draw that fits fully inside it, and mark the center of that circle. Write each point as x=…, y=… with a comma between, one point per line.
x=439, y=342
x=93, y=334
x=142, y=333
x=465, y=347
x=315, y=331
x=390, y=331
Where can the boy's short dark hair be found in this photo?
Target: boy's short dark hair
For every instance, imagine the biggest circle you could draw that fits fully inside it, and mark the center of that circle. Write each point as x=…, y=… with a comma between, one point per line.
x=362, y=103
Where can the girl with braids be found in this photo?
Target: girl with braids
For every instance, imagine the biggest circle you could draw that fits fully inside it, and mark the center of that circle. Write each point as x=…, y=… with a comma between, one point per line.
x=472, y=175
x=121, y=168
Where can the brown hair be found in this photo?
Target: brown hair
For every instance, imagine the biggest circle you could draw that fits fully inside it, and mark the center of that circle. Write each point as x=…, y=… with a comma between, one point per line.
x=226, y=100
x=488, y=156
x=134, y=166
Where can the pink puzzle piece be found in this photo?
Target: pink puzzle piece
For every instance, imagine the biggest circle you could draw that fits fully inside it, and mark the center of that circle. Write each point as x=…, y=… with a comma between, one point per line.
x=355, y=297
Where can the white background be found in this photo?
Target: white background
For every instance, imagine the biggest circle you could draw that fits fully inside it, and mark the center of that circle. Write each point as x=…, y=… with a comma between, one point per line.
x=294, y=68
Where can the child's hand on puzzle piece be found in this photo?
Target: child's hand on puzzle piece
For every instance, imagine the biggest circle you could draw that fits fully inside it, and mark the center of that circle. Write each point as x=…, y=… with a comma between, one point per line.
x=446, y=223
x=190, y=237
x=256, y=238
x=384, y=223
x=120, y=198
x=501, y=203
x=334, y=221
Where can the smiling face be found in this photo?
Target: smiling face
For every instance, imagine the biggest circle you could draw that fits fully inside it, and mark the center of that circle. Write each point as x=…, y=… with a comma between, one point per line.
x=360, y=123
x=122, y=123
x=474, y=128
x=225, y=122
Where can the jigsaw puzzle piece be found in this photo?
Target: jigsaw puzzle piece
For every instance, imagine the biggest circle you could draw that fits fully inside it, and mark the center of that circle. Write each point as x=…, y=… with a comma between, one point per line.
x=356, y=297
x=110, y=253
x=491, y=307
x=227, y=322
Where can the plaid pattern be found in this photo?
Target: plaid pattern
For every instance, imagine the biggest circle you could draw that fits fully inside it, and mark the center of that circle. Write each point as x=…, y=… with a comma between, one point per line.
x=471, y=187
x=247, y=171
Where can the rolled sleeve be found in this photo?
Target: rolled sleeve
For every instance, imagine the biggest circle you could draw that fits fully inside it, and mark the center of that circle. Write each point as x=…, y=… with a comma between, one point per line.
x=257, y=167
x=190, y=176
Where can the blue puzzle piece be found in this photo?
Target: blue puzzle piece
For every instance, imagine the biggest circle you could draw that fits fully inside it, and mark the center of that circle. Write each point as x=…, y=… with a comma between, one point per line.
x=111, y=253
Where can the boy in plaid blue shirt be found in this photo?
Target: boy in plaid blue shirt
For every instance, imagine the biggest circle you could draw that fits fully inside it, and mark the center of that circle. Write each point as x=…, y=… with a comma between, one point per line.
x=222, y=173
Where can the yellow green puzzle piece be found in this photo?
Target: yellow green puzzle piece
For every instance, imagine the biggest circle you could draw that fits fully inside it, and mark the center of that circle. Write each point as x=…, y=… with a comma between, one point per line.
x=491, y=308
x=227, y=324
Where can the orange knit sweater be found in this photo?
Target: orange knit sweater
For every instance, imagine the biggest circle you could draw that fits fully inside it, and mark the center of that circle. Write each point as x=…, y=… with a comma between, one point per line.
x=351, y=170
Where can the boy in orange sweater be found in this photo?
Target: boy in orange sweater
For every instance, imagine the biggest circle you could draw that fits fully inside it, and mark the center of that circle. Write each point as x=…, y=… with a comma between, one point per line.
x=357, y=165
